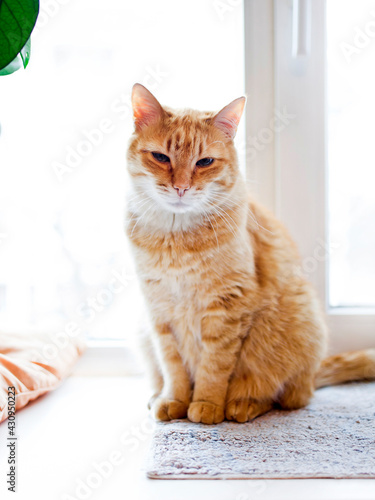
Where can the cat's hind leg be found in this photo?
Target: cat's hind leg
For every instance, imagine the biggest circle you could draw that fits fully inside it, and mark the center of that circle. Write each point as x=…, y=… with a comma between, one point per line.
x=243, y=410
x=297, y=392
x=244, y=401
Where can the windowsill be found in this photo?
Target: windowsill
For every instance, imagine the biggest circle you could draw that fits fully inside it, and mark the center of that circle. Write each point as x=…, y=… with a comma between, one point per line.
x=351, y=311
x=112, y=358
x=64, y=437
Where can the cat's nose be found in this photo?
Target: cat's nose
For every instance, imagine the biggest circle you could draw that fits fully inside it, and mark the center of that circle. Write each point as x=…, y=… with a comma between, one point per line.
x=181, y=189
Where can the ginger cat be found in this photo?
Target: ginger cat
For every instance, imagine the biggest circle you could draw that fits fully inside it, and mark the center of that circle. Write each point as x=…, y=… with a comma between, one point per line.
x=236, y=328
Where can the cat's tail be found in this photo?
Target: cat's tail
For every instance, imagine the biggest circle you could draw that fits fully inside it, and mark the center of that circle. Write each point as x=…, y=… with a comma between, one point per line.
x=346, y=367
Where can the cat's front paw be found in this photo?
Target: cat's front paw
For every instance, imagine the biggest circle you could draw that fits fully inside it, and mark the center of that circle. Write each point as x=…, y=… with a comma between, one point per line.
x=205, y=412
x=152, y=400
x=168, y=409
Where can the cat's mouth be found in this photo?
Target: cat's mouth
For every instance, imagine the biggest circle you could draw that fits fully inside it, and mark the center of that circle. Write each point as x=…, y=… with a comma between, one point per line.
x=179, y=205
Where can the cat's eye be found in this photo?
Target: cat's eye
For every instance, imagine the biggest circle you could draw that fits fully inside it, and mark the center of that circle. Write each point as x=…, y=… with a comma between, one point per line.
x=160, y=157
x=204, y=162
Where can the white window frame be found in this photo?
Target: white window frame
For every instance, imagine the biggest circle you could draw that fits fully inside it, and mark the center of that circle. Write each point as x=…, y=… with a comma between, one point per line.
x=285, y=68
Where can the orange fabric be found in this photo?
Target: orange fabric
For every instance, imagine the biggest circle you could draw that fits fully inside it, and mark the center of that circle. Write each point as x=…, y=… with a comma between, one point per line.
x=34, y=365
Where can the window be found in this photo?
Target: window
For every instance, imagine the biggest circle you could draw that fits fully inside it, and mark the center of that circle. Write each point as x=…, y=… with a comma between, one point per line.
x=316, y=169
x=351, y=156
x=65, y=124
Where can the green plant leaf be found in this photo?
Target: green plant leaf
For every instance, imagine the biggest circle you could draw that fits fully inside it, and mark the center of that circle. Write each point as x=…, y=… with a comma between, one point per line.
x=22, y=59
x=13, y=66
x=25, y=53
x=17, y=20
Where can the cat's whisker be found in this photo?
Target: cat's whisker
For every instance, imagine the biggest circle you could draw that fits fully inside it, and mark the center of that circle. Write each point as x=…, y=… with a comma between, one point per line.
x=229, y=205
x=134, y=207
x=226, y=213
x=226, y=197
x=135, y=197
x=224, y=219
x=139, y=199
x=141, y=204
x=227, y=224
x=251, y=214
x=222, y=209
x=142, y=217
x=220, y=197
x=209, y=220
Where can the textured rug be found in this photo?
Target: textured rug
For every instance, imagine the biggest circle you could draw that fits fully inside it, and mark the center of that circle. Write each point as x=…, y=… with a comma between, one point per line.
x=334, y=437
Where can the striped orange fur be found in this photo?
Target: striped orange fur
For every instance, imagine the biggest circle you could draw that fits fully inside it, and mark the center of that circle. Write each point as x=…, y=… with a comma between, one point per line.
x=236, y=326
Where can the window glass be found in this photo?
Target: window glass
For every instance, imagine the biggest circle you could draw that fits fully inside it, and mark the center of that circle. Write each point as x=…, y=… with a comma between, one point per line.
x=351, y=152
x=65, y=124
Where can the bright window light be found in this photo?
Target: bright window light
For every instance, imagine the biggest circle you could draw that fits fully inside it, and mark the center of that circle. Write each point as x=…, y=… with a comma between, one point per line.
x=351, y=153
x=66, y=121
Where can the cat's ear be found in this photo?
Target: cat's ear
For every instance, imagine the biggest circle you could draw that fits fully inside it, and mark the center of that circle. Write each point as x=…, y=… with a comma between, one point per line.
x=146, y=108
x=228, y=118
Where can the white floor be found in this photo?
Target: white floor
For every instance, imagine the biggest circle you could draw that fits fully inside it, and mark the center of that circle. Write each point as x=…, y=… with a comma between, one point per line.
x=70, y=434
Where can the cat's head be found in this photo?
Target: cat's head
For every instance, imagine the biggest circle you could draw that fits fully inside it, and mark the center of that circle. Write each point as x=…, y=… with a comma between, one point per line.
x=183, y=161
